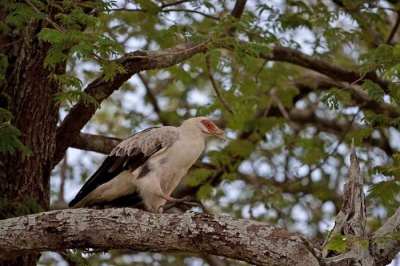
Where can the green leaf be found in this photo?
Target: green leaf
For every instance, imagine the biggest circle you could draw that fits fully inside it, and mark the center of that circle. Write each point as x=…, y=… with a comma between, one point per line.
x=338, y=243
x=110, y=70
x=374, y=91
x=381, y=59
x=5, y=115
x=198, y=177
x=74, y=96
x=205, y=192
x=386, y=191
x=9, y=140
x=331, y=99
x=52, y=36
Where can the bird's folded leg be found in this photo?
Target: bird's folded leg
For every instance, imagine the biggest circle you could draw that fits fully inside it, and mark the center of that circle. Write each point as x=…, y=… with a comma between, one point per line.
x=186, y=203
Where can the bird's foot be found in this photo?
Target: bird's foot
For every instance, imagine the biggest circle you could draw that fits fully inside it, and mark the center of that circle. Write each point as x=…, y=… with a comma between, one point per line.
x=185, y=203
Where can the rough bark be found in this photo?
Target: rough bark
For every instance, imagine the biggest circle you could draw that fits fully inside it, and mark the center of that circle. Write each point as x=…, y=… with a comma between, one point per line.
x=246, y=240
x=351, y=221
x=96, y=143
x=386, y=241
x=25, y=184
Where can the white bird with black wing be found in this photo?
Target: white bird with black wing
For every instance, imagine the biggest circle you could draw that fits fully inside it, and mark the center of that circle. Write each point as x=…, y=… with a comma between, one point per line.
x=148, y=166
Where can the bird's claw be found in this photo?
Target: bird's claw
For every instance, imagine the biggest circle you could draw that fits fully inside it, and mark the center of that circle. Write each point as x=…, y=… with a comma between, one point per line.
x=185, y=203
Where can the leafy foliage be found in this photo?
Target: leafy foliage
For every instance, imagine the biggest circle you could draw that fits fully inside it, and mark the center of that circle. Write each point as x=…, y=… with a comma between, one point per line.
x=9, y=134
x=374, y=91
x=330, y=99
x=388, y=190
x=381, y=59
x=338, y=243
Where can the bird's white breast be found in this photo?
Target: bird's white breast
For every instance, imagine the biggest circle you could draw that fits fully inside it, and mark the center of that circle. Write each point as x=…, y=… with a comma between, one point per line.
x=167, y=169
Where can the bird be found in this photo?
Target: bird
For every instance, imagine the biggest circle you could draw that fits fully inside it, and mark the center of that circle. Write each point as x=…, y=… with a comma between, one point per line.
x=147, y=167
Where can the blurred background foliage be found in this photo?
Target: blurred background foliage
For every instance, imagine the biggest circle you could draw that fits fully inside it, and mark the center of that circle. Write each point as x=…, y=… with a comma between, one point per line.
x=292, y=86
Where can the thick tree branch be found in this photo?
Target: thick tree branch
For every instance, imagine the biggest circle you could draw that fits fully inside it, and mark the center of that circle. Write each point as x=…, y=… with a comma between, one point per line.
x=237, y=11
x=96, y=143
x=285, y=54
x=246, y=240
x=386, y=240
x=100, y=89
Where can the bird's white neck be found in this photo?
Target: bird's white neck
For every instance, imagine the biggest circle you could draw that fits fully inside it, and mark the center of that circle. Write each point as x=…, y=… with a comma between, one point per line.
x=192, y=131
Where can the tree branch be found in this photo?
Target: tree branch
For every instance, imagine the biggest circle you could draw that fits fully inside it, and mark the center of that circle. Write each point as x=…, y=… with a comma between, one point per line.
x=394, y=30
x=246, y=240
x=237, y=13
x=96, y=143
x=285, y=54
x=52, y=23
x=168, y=11
x=163, y=5
x=100, y=89
x=386, y=240
x=351, y=220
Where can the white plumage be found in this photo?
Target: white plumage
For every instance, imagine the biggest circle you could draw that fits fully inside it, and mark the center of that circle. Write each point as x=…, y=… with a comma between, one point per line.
x=147, y=166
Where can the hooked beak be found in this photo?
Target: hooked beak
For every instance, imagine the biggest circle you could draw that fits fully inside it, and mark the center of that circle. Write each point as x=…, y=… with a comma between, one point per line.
x=220, y=134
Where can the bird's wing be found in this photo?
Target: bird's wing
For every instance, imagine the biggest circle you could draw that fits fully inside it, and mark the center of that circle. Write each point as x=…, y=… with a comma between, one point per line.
x=129, y=155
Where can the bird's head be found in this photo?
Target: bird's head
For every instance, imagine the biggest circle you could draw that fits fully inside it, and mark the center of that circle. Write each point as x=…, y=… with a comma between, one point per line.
x=206, y=127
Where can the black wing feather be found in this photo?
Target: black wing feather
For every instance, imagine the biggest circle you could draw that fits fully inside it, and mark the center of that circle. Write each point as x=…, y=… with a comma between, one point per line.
x=110, y=168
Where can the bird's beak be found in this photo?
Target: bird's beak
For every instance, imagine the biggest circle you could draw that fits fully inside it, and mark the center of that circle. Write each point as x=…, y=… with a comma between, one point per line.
x=220, y=134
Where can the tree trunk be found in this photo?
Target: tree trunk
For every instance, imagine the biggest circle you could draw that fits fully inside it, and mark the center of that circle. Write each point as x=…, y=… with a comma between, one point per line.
x=25, y=181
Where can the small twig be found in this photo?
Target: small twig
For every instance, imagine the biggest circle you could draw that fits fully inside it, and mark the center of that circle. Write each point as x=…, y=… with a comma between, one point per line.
x=394, y=30
x=190, y=11
x=260, y=70
x=129, y=56
x=167, y=11
x=283, y=111
x=153, y=99
x=11, y=43
x=214, y=85
x=340, y=141
x=173, y=4
x=354, y=82
x=52, y=23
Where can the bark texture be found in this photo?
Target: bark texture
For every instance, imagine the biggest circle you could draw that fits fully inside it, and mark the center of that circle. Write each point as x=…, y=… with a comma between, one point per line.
x=245, y=240
x=25, y=185
x=386, y=241
x=351, y=221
